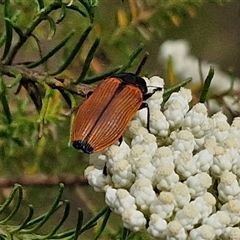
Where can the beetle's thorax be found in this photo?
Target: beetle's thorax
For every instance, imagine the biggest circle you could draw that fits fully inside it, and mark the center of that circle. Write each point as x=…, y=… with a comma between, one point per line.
x=130, y=78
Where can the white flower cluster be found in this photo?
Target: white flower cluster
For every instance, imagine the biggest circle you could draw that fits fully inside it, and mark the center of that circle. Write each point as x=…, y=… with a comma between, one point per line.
x=181, y=180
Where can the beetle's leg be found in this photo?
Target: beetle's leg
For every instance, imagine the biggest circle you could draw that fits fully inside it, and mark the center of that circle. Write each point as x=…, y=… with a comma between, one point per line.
x=120, y=140
x=89, y=94
x=148, y=95
x=74, y=109
x=145, y=105
x=105, y=170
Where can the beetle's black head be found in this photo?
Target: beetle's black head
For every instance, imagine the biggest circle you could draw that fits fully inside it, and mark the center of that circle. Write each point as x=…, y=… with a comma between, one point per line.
x=83, y=145
x=131, y=78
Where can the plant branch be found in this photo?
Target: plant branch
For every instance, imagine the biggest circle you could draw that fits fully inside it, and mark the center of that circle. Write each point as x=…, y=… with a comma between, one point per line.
x=42, y=180
x=41, y=78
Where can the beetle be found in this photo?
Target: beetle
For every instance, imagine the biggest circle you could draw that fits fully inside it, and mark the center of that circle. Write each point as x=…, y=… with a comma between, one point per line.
x=103, y=117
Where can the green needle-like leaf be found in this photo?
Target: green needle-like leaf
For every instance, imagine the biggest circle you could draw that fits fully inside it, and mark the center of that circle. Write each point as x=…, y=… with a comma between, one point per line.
x=16, y=207
x=62, y=15
x=77, y=9
x=175, y=88
x=40, y=4
x=10, y=198
x=94, y=219
x=52, y=27
x=131, y=59
x=52, y=52
x=101, y=76
x=88, y=60
x=8, y=30
x=104, y=223
x=64, y=217
x=26, y=220
x=90, y=7
x=79, y=224
x=15, y=27
x=56, y=204
x=4, y=101
x=13, y=20
x=206, y=85
x=125, y=233
x=73, y=52
x=2, y=39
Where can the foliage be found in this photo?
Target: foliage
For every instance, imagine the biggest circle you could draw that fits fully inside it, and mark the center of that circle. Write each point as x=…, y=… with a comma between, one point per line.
x=29, y=226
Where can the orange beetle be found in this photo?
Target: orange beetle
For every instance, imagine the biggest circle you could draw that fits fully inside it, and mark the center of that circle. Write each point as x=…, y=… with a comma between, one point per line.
x=103, y=117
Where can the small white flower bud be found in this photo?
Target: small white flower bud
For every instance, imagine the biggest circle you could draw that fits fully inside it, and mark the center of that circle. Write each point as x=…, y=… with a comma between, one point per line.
x=137, y=152
x=154, y=102
x=143, y=192
x=228, y=187
x=132, y=129
x=205, y=204
x=204, y=160
x=181, y=194
x=204, y=232
x=221, y=161
x=163, y=155
x=219, y=117
x=110, y=197
x=220, y=131
x=140, y=136
x=185, y=164
x=163, y=205
x=158, y=124
x=96, y=178
x=144, y=168
x=148, y=142
x=176, y=107
x=188, y=216
x=184, y=141
x=115, y=153
x=157, y=226
x=233, y=209
x=198, y=184
x=231, y=233
x=218, y=221
x=133, y=220
x=165, y=177
x=122, y=175
x=175, y=231
x=197, y=121
x=123, y=201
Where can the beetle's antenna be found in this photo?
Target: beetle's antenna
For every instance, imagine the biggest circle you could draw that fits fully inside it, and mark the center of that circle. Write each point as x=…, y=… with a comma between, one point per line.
x=142, y=63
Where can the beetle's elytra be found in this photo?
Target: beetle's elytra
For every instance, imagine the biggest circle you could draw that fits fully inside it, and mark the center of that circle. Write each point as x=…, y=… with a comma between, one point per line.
x=103, y=117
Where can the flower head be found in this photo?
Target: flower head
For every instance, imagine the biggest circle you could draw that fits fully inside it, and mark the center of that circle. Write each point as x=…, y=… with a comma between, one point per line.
x=181, y=179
